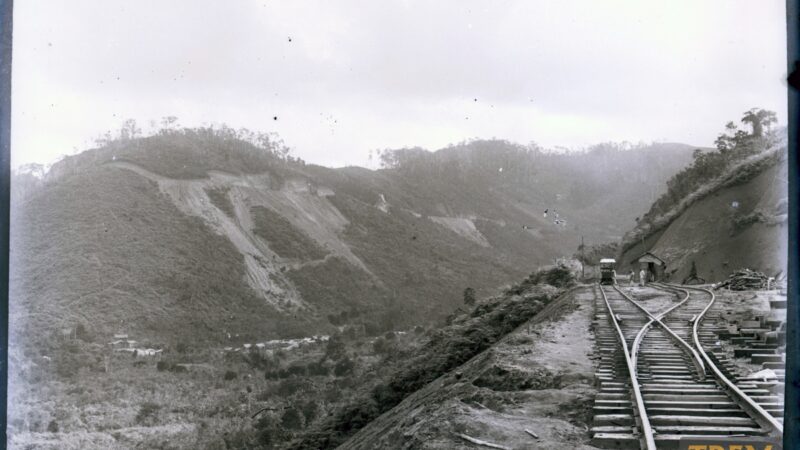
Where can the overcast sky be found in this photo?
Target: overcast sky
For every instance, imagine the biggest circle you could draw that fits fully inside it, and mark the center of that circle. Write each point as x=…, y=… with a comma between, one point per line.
x=346, y=77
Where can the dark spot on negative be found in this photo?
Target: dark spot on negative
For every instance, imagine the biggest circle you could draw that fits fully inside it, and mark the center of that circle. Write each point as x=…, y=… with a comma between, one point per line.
x=794, y=78
x=275, y=118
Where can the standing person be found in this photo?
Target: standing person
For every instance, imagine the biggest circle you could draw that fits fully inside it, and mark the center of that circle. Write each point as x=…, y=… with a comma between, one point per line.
x=642, y=277
x=632, y=278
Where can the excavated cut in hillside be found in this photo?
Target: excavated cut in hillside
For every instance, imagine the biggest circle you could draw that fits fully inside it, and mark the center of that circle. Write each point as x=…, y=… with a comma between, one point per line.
x=738, y=220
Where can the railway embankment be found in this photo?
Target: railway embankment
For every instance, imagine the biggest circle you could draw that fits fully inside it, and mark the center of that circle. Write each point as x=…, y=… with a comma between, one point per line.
x=560, y=378
x=532, y=389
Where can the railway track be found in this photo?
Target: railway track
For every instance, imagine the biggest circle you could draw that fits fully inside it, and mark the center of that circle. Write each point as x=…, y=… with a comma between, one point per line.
x=663, y=377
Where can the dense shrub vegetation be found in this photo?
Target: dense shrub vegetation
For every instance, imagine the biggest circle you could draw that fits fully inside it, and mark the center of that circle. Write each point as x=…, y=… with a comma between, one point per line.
x=559, y=276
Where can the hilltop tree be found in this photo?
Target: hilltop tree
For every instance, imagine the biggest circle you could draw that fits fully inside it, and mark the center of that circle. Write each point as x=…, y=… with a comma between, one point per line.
x=129, y=130
x=169, y=122
x=730, y=138
x=759, y=119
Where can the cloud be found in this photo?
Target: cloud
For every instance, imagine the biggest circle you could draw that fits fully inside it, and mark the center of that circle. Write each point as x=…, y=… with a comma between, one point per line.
x=347, y=77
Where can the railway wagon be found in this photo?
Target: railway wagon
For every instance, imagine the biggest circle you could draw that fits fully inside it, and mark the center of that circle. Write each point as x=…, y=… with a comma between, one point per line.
x=608, y=272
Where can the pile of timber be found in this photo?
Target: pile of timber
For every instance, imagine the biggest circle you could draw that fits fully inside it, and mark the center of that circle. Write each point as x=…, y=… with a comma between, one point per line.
x=744, y=279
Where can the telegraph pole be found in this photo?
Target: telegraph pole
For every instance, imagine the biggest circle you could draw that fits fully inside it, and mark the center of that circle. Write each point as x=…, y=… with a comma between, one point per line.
x=583, y=264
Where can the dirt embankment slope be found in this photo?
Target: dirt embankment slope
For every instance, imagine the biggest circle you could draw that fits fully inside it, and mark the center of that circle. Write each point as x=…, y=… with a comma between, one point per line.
x=741, y=224
x=539, y=378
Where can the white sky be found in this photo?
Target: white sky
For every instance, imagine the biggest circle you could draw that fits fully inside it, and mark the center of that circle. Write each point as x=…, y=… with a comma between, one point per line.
x=362, y=75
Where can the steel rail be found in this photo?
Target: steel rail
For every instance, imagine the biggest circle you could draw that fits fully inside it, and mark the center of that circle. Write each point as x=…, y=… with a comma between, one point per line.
x=697, y=361
x=756, y=412
x=638, y=342
x=647, y=440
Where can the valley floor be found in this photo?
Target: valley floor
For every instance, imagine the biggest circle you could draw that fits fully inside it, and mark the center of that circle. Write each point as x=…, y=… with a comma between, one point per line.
x=537, y=380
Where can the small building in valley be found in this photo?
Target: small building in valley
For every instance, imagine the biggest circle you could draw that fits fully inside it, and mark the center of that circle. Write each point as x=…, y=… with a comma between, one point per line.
x=654, y=266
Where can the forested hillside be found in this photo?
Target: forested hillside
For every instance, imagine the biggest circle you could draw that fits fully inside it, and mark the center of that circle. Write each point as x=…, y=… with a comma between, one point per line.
x=220, y=234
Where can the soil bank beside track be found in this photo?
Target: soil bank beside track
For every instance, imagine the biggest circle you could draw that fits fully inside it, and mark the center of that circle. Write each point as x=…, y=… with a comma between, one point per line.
x=539, y=377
